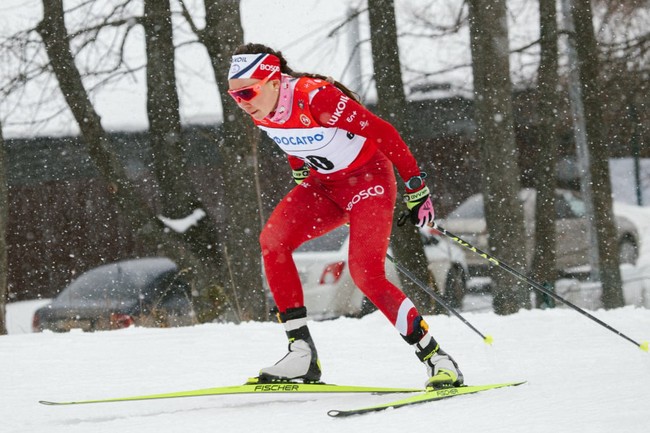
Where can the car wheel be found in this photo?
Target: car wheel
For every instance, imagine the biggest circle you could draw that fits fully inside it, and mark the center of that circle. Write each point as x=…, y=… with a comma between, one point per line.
x=627, y=251
x=455, y=286
x=367, y=307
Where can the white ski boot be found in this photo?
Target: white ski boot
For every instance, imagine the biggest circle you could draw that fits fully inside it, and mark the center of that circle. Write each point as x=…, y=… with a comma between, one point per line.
x=301, y=362
x=443, y=371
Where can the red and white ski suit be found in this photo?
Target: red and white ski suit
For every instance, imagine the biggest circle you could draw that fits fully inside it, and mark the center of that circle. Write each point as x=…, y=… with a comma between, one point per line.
x=351, y=153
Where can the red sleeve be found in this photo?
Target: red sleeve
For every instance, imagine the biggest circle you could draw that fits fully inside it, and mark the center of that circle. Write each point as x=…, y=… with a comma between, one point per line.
x=295, y=162
x=331, y=108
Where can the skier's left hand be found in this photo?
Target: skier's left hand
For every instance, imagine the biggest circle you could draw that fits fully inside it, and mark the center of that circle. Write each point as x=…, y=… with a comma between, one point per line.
x=420, y=206
x=299, y=175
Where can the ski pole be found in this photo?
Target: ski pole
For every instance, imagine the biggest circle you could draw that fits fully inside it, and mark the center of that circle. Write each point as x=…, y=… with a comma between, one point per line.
x=487, y=339
x=643, y=346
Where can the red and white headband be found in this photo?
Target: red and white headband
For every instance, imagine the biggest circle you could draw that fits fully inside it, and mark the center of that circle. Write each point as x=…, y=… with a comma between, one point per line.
x=257, y=66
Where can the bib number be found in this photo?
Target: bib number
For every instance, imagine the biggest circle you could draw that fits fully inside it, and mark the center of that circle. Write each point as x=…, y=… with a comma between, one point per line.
x=319, y=162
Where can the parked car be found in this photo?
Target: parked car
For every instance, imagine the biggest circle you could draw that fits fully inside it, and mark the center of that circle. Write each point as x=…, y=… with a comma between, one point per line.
x=142, y=292
x=328, y=287
x=467, y=221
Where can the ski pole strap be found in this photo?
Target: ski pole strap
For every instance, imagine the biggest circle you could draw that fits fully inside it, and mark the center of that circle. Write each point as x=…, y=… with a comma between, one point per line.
x=300, y=174
x=412, y=199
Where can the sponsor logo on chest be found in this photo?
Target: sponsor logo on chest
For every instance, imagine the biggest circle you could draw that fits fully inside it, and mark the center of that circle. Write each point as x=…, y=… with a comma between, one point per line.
x=301, y=138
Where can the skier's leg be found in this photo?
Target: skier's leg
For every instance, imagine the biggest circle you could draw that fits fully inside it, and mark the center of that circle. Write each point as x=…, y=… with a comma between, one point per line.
x=370, y=227
x=305, y=213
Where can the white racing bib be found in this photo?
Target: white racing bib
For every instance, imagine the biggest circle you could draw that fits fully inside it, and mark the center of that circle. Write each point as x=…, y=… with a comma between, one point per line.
x=325, y=149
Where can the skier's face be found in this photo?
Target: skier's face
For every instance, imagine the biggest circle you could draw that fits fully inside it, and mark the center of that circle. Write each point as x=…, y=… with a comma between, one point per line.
x=256, y=97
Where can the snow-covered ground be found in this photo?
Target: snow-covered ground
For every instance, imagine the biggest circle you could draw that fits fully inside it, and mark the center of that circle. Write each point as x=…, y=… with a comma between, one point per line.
x=580, y=376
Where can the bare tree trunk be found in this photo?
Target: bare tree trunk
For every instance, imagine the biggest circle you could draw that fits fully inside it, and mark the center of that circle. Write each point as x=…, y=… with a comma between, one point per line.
x=52, y=30
x=544, y=256
x=238, y=158
x=178, y=195
x=163, y=112
x=4, y=211
x=406, y=242
x=493, y=105
x=143, y=222
x=588, y=65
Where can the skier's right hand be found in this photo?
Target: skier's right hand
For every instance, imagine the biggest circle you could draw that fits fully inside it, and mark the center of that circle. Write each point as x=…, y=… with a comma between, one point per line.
x=420, y=207
x=418, y=201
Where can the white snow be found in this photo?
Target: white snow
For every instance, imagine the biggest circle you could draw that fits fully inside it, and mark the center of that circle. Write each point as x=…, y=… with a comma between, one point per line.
x=181, y=225
x=581, y=377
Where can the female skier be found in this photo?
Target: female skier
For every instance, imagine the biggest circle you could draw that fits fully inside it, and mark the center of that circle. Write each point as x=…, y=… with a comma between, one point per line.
x=342, y=157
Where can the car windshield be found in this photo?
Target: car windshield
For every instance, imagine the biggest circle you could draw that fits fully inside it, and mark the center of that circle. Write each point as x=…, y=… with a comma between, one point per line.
x=117, y=282
x=332, y=241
